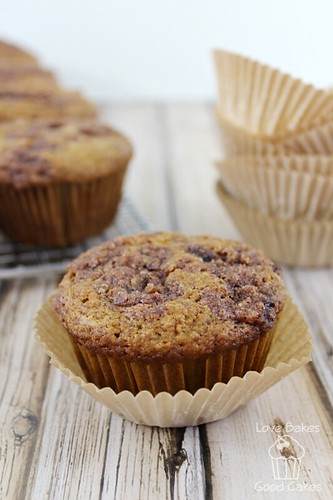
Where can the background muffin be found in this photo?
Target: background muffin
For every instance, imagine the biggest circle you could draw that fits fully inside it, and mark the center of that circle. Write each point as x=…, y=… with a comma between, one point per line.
x=25, y=79
x=44, y=103
x=60, y=181
x=13, y=55
x=165, y=312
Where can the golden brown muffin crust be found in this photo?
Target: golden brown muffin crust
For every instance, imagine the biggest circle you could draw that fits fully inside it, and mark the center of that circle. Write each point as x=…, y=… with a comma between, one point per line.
x=25, y=79
x=168, y=296
x=53, y=103
x=13, y=55
x=40, y=152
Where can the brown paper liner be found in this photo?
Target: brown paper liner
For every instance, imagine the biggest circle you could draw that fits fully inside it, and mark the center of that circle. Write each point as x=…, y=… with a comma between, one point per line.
x=265, y=101
x=290, y=349
x=60, y=214
x=279, y=190
x=189, y=375
x=295, y=242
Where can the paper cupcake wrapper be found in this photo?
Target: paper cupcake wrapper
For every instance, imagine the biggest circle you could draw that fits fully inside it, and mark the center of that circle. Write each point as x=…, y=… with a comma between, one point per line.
x=290, y=349
x=265, y=101
x=60, y=214
x=190, y=375
x=236, y=141
x=315, y=141
x=282, y=192
x=295, y=242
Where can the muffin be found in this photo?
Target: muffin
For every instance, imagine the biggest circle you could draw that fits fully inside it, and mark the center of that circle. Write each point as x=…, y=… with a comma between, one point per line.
x=15, y=56
x=60, y=181
x=25, y=79
x=44, y=103
x=165, y=311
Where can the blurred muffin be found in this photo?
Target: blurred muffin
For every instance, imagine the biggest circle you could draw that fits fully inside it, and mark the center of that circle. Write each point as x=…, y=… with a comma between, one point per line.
x=165, y=312
x=15, y=56
x=60, y=181
x=46, y=103
x=29, y=79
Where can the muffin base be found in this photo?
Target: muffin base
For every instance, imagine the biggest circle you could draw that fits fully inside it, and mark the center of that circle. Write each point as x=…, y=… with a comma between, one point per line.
x=60, y=214
x=190, y=375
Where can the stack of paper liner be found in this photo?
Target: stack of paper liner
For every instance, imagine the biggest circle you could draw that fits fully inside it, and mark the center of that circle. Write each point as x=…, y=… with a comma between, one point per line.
x=290, y=349
x=277, y=178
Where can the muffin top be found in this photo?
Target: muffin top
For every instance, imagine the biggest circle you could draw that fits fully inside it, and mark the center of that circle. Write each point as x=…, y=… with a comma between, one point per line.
x=25, y=79
x=167, y=296
x=13, y=55
x=41, y=152
x=45, y=102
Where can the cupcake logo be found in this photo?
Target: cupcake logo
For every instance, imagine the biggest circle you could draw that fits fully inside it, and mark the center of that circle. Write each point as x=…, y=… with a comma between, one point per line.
x=286, y=456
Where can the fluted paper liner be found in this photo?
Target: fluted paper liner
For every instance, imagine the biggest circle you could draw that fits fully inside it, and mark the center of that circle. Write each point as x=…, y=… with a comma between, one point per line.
x=190, y=375
x=264, y=101
x=315, y=141
x=278, y=189
x=290, y=349
x=237, y=141
x=295, y=242
x=60, y=214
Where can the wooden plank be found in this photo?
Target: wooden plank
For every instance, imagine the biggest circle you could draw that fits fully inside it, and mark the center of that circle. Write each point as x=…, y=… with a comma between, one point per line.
x=70, y=449
x=297, y=398
x=24, y=373
x=193, y=147
x=148, y=462
x=145, y=179
x=239, y=450
x=312, y=291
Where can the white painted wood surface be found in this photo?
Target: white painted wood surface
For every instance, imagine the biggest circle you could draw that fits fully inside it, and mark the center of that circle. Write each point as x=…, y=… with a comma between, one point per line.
x=57, y=443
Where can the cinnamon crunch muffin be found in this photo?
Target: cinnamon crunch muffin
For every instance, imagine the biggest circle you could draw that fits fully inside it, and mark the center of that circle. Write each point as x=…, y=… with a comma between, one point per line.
x=52, y=103
x=15, y=56
x=60, y=181
x=29, y=79
x=165, y=312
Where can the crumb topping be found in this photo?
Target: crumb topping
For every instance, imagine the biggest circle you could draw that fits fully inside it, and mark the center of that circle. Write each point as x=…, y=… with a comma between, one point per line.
x=168, y=296
x=44, y=151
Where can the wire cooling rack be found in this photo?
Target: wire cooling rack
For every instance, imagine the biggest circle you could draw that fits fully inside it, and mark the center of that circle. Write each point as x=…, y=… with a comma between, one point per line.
x=26, y=261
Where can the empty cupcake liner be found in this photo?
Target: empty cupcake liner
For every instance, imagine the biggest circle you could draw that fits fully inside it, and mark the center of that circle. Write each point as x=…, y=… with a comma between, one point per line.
x=308, y=164
x=295, y=242
x=314, y=141
x=265, y=101
x=278, y=191
x=236, y=141
x=290, y=349
x=59, y=214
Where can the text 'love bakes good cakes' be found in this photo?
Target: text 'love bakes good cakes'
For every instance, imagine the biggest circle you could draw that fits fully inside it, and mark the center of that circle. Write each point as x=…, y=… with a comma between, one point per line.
x=60, y=181
x=165, y=312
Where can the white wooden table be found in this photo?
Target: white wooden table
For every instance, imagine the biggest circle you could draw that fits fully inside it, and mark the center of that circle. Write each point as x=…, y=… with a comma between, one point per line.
x=57, y=443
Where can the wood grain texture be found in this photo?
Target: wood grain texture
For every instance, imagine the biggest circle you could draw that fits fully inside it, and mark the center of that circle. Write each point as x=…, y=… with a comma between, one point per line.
x=57, y=443
x=24, y=373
